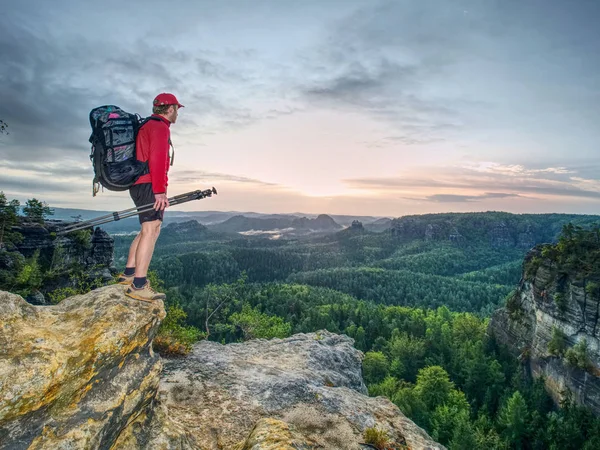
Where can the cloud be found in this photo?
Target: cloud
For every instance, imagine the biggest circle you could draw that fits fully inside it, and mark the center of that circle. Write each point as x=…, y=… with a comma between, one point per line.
x=450, y=198
x=193, y=176
x=385, y=60
x=38, y=186
x=63, y=169
x=512, y=181
x=49, y=85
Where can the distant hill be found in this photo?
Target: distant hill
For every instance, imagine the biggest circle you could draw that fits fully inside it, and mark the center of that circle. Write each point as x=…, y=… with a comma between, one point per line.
x=379, y=226
x=190, y=230
x=241, y=223
x=305, y=222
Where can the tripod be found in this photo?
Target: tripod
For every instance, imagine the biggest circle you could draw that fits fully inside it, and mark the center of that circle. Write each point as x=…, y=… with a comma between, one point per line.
x=118, y=215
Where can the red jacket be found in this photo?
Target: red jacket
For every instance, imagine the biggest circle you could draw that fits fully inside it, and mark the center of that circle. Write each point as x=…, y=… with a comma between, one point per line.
x=152, y=145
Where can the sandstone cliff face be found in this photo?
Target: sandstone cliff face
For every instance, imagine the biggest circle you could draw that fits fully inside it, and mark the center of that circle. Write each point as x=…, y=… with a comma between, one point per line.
x=40, y=237
x=526, y=326
x=94, y=256
x=82, y=375
x=498, y=233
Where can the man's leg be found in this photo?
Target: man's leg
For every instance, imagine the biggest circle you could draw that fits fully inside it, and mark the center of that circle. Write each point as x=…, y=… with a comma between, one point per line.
x=140, y=288
x=145, y=247
x=126, y=277
x=140, y=252
x=132, y=250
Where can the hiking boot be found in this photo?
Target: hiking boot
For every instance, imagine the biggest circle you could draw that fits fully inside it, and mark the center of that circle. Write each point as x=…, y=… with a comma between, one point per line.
x=144, y=294
x=125, y=279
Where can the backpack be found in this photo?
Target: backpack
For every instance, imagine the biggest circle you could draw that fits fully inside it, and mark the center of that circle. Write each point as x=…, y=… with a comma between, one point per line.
x=113, y=155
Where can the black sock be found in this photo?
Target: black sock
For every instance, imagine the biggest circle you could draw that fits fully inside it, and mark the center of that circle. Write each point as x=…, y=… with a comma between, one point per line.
x=139, y=282
x=129, y=271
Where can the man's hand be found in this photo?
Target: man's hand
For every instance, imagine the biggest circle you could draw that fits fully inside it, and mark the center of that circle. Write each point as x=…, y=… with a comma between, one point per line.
x=161, y=202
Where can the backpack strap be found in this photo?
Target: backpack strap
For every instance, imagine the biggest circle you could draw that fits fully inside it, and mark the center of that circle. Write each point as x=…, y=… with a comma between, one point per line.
x=172, y=155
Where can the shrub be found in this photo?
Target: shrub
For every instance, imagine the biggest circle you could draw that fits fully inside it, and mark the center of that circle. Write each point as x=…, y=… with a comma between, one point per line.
x=257, y=325
x=174, y=336
x=558, y=343
x=577, y=356
x=80, y=284
x=560, y=300
x=532, y=266
x=377, y=437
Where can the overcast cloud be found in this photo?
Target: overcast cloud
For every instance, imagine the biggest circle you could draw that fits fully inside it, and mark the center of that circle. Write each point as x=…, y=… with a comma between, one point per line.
x=340, y=106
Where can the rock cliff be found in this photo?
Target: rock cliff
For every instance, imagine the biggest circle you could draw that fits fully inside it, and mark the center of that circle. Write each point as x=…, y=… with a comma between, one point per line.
x=82, y=375
x=496, y=229
x=60, y=255
x=75, y=374
x=551, y=323
x=95, y=253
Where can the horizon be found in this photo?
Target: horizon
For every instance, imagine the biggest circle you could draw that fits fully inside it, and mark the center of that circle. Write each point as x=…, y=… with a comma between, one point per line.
x=298, y=213
x=359, y=108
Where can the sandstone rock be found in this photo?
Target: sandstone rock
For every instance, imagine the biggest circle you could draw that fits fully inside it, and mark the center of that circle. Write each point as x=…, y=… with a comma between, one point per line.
x=73, y=375
x=82, y=375
x=528, y=328
x=273, y=434
x=312, y=382
x=499, y=230
x=61, y=253
x=501, y=235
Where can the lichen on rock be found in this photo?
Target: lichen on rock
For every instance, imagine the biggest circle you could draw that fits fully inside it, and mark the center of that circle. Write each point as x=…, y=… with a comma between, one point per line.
x=74, y=374
x=82, y=375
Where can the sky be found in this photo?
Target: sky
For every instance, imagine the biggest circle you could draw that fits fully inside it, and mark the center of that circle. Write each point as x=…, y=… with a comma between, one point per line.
x=360, y=107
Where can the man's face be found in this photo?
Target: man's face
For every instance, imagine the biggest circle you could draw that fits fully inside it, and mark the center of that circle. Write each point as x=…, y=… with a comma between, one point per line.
x=172, y=113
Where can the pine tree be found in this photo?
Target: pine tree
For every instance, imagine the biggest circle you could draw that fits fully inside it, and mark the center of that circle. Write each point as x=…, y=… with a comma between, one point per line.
x=36, y=210
x=513, y=418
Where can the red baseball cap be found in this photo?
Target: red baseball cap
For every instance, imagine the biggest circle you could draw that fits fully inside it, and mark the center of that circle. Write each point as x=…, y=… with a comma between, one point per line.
x=166, y=99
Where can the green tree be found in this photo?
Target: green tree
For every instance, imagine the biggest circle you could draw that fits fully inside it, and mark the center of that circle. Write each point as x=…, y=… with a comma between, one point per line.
x=30, y=277
x=513, y=419
x=406, y=354
x=449, y=416
x=463, y=436
x=175, y=337
x=257, y=325
x=36, y=210
x=375, y=367
x=3, y=127
x=9, y=212
x=433, y=386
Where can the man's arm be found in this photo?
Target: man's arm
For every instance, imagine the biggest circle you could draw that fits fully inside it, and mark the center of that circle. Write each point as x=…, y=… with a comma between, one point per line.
x=158, y=163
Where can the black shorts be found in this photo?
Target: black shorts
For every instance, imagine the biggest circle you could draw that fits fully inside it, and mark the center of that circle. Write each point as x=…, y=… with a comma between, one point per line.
x=142, y=194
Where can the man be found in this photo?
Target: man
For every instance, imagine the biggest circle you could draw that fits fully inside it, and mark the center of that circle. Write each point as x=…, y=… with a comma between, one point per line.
x=152, y=145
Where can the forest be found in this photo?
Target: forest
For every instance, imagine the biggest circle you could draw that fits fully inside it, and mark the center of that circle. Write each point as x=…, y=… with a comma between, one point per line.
x=417, y=308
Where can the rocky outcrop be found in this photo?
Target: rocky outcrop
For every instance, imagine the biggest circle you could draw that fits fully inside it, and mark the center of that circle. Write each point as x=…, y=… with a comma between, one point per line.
x=91, y=253
x=357, y=225
x=550, y=303
x=496, y=229
x=82, y=375
x=74, y=375
x=304, y=390
x=97, y=251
